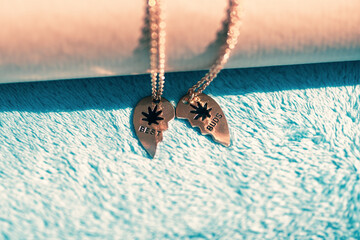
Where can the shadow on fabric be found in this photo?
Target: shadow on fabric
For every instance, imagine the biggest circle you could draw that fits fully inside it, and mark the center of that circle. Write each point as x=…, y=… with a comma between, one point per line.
x=122, y=92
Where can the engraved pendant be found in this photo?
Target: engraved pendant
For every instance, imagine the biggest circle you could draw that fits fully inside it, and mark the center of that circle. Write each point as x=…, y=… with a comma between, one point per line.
x=205, y=113
x=150, y=119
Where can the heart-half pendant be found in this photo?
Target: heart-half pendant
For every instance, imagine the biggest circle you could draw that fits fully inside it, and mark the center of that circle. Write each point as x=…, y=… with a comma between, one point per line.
x=205, y=113
x=150, y=119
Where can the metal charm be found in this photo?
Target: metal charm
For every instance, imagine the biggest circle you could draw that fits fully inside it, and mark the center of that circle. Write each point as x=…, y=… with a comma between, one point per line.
x=150, y=119
x=205, y=113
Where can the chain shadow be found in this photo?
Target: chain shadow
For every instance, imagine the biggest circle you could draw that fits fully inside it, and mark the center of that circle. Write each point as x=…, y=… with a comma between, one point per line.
x=125, y=91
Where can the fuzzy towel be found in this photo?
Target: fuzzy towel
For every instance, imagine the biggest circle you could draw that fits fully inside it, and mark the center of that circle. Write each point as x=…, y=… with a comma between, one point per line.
x=72, y=168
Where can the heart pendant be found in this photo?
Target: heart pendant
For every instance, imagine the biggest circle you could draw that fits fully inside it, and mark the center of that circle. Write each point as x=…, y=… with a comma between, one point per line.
x=205, y=113
x=150, y=119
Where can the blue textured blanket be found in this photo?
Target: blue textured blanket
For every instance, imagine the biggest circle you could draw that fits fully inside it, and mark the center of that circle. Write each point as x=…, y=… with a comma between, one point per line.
x=71, y=166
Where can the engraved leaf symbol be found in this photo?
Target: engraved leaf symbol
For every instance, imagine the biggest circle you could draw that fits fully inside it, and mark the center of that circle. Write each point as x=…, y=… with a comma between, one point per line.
x=152, y=116
x=201, y=111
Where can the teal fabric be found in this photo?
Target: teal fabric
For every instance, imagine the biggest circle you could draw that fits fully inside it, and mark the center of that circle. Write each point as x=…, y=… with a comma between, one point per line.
x=72, y=168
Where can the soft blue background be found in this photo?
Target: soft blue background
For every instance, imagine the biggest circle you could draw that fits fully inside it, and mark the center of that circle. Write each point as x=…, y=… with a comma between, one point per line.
x=71, y=167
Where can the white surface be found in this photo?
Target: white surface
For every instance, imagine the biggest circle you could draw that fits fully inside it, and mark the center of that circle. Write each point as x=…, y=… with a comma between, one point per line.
x=46, y=40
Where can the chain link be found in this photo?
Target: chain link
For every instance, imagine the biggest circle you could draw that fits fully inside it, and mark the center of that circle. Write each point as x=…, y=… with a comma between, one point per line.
x=157, y=48
x=233, y=26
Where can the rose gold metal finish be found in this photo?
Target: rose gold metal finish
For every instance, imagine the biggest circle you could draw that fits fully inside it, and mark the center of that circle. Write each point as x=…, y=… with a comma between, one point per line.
x=203, y=112
x=157, y=48
x=152, y=114
x=224, y=54
x=150, y=133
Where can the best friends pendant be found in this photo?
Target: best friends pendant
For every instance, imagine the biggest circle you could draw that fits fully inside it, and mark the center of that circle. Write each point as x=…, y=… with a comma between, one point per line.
x=152, y=114
x=203, y=112
x=150, y=119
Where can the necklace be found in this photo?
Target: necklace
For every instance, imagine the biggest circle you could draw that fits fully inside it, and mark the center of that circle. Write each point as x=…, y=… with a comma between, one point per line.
x=152, y=113
x=200, y=109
